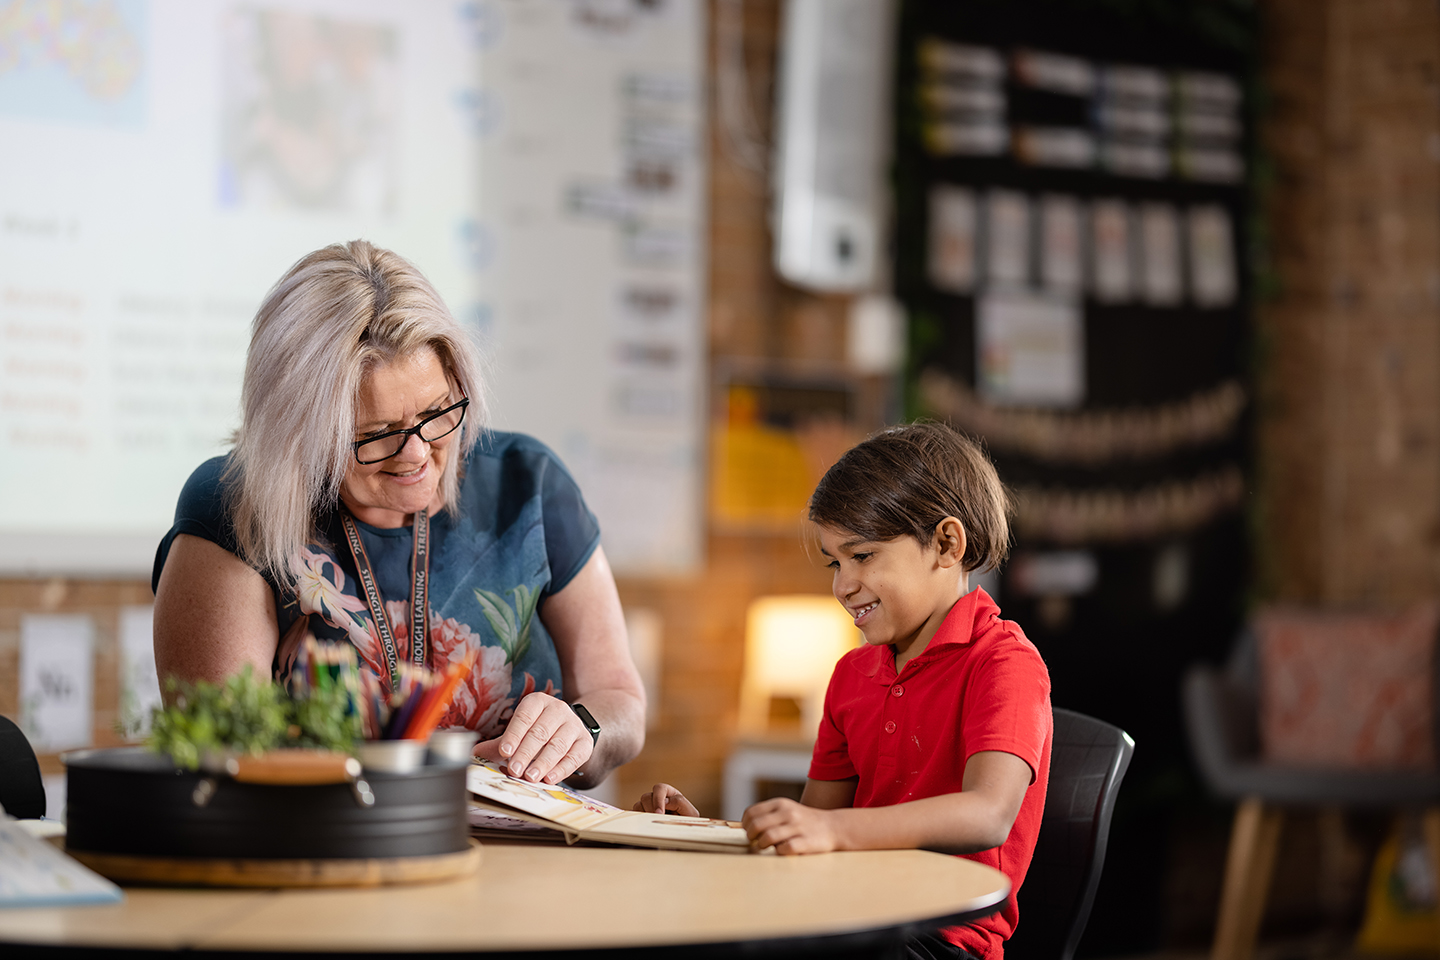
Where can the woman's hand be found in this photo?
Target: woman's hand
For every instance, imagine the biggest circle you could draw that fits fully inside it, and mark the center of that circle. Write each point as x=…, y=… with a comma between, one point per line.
x=545, y=741
x=791, y=827
x=664, y=798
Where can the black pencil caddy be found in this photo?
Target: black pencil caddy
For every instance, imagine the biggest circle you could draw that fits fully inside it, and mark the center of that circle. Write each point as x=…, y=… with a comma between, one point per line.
x=131, y=801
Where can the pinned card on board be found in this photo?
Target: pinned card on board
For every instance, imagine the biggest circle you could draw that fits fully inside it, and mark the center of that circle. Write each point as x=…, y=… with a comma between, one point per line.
x=1160, y=278
x=1113, y=268
x=1007, y=238
x=1031, y=349
x=953, y=222
x=1062, y=244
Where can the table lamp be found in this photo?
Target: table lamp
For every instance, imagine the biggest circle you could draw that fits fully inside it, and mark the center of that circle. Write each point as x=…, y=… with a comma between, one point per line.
x=791, y=646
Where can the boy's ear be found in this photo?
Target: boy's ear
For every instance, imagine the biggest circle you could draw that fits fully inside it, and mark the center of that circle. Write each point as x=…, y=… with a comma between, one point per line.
x=950, y=541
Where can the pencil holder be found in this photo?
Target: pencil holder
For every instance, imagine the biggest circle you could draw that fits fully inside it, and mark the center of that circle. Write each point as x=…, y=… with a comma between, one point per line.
x=392, y=756
x=454, y=745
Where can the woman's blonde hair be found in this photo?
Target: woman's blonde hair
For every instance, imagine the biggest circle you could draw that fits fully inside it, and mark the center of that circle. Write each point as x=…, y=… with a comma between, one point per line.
x=335, y=314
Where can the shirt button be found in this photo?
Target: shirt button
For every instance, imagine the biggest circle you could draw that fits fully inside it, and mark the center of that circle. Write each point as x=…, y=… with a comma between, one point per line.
x=897, y=690
x=889, y=726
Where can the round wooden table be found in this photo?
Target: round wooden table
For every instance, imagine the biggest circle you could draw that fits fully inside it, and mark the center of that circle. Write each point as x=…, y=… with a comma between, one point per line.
x=533, y=897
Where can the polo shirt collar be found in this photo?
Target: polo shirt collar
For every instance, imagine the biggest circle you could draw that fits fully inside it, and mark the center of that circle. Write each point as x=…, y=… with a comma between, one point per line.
x=957, y=629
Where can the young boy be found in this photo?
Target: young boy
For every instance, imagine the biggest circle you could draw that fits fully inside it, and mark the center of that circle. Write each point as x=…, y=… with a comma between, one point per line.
x=936, y=732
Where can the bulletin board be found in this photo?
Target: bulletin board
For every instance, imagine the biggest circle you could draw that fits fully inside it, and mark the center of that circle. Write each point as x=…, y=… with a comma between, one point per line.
x=1073, y=182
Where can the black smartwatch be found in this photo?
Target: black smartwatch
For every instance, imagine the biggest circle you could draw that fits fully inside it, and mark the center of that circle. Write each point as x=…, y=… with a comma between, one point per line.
x=588, y=720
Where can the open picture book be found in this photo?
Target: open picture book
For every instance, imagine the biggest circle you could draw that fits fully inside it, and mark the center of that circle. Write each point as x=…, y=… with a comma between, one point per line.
x=503, y=805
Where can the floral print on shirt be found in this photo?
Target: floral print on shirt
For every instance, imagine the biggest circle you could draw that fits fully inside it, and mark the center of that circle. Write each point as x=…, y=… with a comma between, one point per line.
x=483, y=703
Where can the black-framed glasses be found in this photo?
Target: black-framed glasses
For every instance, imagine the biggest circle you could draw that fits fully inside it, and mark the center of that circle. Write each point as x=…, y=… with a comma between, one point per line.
x=432, y=428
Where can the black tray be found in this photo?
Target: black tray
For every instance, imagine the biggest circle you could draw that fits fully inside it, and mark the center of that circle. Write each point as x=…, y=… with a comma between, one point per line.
x=131, y=801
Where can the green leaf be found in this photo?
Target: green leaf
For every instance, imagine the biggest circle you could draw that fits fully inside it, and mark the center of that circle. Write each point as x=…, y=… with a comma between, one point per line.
x=498, y=611
x=325, y=720
x=525, y=602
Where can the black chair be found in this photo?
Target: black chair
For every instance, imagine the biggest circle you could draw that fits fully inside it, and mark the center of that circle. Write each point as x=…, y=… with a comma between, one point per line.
x=1088, y=759
x=1222, y=720
x=22, y=794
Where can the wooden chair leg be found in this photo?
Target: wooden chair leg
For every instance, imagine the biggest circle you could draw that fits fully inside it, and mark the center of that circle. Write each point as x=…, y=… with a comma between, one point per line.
x=1254, y=839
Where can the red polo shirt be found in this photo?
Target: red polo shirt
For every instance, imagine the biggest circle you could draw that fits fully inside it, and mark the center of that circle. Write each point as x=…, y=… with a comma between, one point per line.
x=978, y=685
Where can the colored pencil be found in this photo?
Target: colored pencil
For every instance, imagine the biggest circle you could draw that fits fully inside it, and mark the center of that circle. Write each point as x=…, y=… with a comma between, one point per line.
x=425, y=723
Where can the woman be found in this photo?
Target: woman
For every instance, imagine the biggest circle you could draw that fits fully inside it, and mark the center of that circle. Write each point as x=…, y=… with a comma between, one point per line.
x=364, y=502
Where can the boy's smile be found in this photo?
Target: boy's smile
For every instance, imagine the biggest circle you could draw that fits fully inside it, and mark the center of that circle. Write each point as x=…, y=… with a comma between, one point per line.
x=897, y=591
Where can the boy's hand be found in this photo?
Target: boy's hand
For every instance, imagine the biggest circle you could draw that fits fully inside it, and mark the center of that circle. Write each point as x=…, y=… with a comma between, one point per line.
x=791, y=827
x=664, y=798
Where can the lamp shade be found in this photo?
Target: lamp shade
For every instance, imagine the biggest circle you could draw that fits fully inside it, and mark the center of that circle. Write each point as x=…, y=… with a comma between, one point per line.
x=791, y=646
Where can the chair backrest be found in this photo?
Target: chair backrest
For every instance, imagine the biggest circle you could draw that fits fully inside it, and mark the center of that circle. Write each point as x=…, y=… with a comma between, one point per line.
x=22, y=793
x=1088, y=759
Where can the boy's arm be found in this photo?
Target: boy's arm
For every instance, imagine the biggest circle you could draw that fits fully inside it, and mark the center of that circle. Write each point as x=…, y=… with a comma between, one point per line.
x=830, y=794
x=979, y=817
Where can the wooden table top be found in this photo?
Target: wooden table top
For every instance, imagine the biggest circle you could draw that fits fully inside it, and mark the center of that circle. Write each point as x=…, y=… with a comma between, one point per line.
x=545, y=897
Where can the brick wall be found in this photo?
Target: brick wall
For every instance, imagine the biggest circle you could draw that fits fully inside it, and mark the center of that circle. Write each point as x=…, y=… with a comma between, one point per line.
x=1349, y=426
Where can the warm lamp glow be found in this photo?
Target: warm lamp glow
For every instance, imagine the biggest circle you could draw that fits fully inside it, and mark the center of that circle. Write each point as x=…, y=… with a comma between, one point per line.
x=791, y=645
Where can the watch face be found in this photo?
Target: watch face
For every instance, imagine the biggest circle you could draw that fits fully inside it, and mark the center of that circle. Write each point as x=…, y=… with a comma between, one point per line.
x=587, y=719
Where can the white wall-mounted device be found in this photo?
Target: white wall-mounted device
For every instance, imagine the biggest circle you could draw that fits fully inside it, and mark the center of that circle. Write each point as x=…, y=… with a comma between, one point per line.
x=833, y=142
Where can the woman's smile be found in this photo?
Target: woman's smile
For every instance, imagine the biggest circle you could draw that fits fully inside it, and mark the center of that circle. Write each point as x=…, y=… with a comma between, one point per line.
x=394, y=396
x=410, y=476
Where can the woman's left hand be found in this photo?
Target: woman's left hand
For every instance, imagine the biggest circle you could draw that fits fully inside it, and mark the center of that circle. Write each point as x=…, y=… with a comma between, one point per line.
x=545, y=741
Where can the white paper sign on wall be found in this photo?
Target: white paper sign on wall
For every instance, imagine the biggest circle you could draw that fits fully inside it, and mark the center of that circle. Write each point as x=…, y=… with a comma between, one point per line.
x=1030, y=349
x=57, y=680
x=139, y=684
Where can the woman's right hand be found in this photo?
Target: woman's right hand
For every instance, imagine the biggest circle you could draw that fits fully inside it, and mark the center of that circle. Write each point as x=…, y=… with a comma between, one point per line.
x=664, y=798
x=544, y=742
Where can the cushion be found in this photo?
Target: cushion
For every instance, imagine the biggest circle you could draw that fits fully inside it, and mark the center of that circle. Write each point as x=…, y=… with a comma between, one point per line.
x=1348, y=690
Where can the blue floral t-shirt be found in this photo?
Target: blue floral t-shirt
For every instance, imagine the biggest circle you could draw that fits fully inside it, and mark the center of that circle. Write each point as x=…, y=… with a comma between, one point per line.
x=523, y=533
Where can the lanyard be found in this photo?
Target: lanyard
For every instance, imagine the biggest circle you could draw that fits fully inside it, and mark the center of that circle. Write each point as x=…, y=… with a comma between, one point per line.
x=419, y=593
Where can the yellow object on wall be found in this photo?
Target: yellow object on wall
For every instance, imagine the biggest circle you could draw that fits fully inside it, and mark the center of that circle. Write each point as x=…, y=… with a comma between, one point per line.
x=760, y=476
x=763, y=469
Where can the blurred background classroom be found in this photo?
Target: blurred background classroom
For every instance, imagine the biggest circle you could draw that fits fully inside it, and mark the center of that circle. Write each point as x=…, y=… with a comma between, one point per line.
x=1176, y=263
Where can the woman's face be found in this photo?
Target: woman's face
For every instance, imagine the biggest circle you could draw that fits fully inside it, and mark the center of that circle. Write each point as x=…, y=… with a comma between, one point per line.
x=393, y=396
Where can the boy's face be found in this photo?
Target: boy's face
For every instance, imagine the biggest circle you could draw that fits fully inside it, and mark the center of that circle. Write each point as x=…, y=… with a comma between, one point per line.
x=898, y=591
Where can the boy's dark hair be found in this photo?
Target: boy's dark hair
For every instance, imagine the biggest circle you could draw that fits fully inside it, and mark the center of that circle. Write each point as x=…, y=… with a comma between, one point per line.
x=906, y=479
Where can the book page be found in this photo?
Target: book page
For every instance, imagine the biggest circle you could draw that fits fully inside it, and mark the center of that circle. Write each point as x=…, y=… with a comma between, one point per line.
x=555, y=802
x=492, y=821
x=671, y=828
